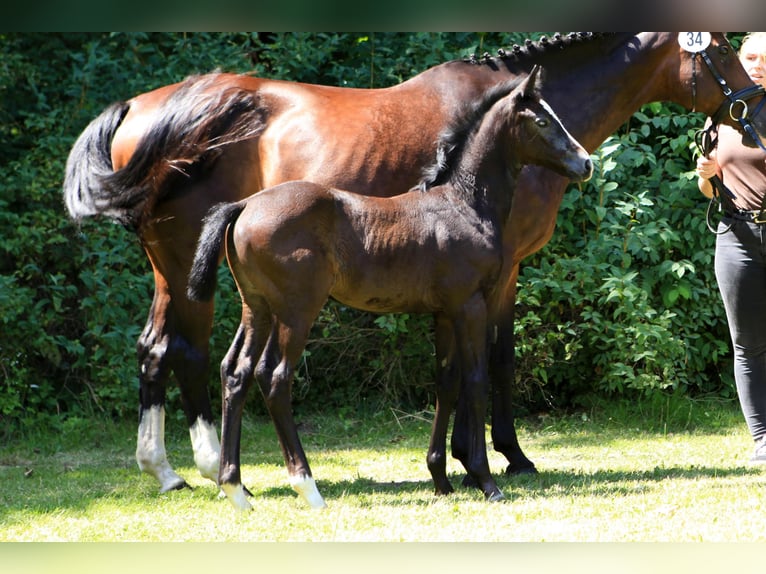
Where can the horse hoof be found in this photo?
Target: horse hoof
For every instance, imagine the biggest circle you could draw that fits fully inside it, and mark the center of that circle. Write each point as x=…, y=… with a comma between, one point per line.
x=236, y=495
x=495, y=497
x=222, y=494
x=175, y=486
x=307, y=488
x=520, y=470
x=444, y=489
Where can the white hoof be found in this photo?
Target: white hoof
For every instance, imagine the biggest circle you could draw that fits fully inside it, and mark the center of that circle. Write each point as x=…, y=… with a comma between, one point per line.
x=307, y=488
x=236, y=495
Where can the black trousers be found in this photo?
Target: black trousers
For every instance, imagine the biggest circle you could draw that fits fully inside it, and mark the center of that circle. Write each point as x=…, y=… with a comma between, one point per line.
x=740, y=269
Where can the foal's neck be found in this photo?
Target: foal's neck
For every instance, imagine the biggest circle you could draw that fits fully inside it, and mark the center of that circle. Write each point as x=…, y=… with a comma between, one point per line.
x=485, y=177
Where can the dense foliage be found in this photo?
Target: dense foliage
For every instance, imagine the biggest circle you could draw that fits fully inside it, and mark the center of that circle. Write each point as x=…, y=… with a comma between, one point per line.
x=623, y=299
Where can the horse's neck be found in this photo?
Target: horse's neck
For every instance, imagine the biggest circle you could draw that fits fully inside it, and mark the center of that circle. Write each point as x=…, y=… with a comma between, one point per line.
x=595, y=97
x=485, y=172
x=594, y=87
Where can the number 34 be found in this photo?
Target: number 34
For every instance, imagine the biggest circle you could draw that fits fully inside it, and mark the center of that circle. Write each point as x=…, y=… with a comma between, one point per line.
x=694, y=41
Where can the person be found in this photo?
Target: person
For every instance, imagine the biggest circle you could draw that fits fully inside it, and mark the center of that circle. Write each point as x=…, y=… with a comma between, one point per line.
x=740, y=251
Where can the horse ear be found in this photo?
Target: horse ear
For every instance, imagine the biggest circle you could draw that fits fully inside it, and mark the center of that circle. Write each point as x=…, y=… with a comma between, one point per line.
x=532, y=82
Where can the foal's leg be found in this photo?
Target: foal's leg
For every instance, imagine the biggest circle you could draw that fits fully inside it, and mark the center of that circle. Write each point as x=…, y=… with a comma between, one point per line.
x=237, y=371
x=502, y=360
x=274, y=375
x=447, y=385
x=470, y=447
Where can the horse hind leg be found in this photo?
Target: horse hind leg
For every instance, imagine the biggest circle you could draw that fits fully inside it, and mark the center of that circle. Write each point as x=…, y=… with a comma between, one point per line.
x=192, y=380
x=274, y=375
x=154, y=372
x=237, y=370
x=164, y=348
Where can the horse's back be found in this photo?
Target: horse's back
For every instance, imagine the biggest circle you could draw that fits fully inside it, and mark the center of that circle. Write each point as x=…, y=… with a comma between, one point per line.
x=373, y=141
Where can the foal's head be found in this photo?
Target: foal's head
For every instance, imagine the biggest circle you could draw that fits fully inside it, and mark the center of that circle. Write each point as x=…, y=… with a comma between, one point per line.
x=538, y=137
x=513, y=117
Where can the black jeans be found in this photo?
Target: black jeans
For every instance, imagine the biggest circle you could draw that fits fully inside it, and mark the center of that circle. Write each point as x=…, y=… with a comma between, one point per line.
x=740, y=269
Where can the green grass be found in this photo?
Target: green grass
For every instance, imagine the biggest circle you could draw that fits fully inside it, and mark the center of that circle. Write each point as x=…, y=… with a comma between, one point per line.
x=660, y=471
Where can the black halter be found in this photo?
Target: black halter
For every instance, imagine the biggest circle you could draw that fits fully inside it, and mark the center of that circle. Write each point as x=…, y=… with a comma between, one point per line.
x=706, y=139
x=737, y=101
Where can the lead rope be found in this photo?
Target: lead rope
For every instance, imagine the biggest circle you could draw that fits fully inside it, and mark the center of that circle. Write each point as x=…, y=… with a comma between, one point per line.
x=706, y=144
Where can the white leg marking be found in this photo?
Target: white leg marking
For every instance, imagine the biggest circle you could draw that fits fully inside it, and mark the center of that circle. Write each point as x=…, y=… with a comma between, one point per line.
x=236, y=495
x=207, y=449
x=150, y=450
x=307, y=488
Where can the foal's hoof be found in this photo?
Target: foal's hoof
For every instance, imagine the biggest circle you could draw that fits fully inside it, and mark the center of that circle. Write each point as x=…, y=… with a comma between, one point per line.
x=495, y=496
x=235, y=493
x=513, y=470
x=444, y=489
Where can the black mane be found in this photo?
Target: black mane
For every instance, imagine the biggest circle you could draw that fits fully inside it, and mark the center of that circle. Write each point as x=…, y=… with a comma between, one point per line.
x=453, y=139
x=533, y=48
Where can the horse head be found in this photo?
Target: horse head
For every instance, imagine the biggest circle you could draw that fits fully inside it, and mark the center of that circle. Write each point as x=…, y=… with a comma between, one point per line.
x=540, y=137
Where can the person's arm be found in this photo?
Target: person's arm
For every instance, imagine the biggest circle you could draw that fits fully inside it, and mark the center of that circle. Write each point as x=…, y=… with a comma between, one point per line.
x=706, y=168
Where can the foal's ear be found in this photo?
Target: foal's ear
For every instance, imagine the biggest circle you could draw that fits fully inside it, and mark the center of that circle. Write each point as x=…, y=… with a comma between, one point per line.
x=531, y=84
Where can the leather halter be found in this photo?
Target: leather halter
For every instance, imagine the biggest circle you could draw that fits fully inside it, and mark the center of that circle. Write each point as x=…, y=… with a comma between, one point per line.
x=737, y=101
x=738, y=111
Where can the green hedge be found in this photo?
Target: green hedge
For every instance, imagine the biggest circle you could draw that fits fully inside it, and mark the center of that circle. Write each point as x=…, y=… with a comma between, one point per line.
x=622, y=299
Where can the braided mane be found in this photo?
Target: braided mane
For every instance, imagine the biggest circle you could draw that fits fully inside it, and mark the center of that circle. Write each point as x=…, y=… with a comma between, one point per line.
x=537, y=47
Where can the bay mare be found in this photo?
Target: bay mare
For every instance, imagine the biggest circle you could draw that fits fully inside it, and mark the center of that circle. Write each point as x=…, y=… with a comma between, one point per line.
x=159, y=161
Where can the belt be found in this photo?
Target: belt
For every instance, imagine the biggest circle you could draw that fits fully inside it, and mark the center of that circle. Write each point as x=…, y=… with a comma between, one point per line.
x=758, y=216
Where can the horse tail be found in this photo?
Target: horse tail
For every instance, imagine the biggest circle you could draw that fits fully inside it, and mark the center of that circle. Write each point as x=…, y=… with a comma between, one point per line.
x=89, y=162
x=190, y=130
x=202, y=277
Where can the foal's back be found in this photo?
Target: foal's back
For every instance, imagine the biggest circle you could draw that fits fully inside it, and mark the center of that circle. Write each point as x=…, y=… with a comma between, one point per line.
x=415, y=252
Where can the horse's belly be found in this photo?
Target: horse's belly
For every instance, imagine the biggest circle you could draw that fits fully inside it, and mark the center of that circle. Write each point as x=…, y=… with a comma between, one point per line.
x=388, y=301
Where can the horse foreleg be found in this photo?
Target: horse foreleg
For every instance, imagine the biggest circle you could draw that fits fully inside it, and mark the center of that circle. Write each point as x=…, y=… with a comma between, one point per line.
x=502, y=361
x=470, y=446
x=447, y=385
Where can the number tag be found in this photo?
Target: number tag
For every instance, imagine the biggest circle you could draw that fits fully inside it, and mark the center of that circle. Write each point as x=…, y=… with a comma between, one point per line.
x=694, y=41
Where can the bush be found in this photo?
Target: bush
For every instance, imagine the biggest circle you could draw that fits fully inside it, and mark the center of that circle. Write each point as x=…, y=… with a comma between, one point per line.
x=623, y=298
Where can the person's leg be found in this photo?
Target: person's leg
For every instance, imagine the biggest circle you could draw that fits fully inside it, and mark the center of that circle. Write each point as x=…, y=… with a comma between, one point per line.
x=740, y=268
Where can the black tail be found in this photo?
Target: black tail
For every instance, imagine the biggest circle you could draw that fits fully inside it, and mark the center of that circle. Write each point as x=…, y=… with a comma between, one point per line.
x=202, y=277
x=190, y=130
x=89, y=161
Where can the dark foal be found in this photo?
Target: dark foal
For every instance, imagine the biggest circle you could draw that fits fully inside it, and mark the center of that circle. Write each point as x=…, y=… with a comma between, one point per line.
x=435, y=249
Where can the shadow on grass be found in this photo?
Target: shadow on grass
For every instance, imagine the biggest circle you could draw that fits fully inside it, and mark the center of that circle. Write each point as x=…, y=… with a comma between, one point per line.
x=79, y=490
x=605, y=483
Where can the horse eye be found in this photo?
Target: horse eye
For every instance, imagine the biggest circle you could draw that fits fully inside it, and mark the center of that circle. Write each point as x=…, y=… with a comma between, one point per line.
x=542, y=122
x=723, y=50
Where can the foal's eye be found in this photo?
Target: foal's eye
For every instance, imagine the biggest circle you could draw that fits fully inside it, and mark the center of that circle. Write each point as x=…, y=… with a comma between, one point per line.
x=542, y=122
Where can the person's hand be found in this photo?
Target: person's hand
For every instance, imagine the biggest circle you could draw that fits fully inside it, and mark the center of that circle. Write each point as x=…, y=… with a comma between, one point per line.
x=706, y=167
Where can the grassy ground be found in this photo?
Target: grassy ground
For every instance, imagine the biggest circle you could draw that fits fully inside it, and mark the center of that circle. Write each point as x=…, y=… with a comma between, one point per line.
x=666, y=471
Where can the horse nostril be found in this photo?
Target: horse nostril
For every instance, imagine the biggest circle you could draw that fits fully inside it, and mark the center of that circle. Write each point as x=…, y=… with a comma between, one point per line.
x=588, y=165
